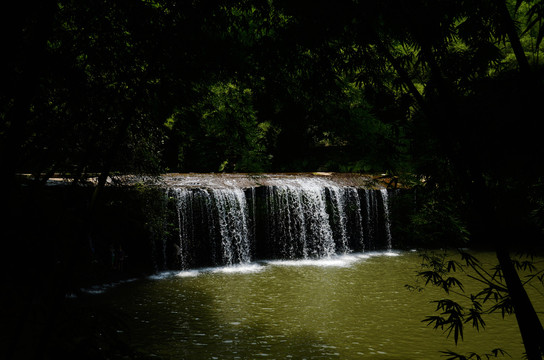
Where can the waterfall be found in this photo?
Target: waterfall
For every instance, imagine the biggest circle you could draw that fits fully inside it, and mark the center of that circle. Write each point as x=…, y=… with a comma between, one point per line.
x=372, y=218
x=298, y=218
x=340, y=217
x=232, y=212
x=355, y=221
x=223, y=222
x=385, y=199
x=207, y=215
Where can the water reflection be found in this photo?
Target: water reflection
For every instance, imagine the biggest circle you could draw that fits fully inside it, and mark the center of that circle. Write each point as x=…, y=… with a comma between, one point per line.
x=349, y=307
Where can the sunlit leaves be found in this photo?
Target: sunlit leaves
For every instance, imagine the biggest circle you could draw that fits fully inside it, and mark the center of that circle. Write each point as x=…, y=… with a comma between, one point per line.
x=221, y=131
x=535, y=18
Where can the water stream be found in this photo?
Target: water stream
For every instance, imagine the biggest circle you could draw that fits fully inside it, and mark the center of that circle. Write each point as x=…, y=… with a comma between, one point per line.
x=351, y=306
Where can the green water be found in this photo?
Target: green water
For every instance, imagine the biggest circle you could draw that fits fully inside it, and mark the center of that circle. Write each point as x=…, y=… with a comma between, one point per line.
x=353, y=307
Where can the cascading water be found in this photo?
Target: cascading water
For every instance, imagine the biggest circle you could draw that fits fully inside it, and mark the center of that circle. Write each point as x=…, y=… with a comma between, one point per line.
x=355, y=216
x=298, y=219
x=232, y=211
x=385, y=200
x=225, y=222
x=339, y=213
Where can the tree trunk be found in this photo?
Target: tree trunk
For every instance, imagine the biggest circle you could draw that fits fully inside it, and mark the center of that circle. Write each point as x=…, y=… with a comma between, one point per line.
x=513, y=36
x=529, y=324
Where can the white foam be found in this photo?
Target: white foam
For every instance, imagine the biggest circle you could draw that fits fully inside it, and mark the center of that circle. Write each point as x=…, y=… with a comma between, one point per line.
x=246, y=268
x=391, y=253
x=189, y=273
x=371, y=254
x=332, y=261
x=340, y=261
x=162, y=275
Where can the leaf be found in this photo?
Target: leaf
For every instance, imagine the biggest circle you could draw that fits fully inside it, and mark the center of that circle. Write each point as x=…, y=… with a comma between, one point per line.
x=469, y=259
x=497, y=274
x=438, y=321
x=476, y=305
x=526, y=265
x=475, y=316
x=453, y=265
x=505, y=306
x=431, y=277
x=472, y=355
x=453, y=355
x=451, y=282
x=448, y=305
x=498, y=351
x=455, y=326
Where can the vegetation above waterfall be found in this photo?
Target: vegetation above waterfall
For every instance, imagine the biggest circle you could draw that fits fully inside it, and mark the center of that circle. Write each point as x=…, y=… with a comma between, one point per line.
x=155, y=86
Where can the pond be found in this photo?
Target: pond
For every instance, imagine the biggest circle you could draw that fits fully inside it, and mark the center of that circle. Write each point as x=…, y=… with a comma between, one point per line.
x=354, y=306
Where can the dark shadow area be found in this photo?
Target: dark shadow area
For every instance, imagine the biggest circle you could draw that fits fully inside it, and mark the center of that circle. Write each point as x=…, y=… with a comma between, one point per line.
x=54, y=247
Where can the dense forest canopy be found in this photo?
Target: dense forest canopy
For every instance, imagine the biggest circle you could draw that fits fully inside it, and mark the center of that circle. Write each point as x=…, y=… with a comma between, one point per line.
x=154, y=86
x=443, y=94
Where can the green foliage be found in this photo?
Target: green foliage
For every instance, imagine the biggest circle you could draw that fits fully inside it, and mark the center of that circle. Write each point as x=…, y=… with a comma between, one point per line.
x=221, y=132
x=99, y=81
x=463, y=308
